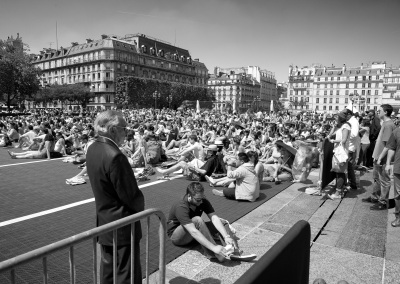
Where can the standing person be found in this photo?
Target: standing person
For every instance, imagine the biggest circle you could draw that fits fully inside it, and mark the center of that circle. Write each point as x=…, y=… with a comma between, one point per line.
x=342, y=135
x=354, y=144
x=375, y=127
x=394, y=151
x=381, y=178
x=364, y=133
x=116, y=195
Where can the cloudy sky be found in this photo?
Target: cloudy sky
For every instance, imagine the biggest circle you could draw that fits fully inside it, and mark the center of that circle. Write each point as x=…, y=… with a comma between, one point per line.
x=228, y=33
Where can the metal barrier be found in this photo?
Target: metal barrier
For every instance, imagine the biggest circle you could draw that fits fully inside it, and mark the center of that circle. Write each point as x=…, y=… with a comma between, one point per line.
x=69, y=243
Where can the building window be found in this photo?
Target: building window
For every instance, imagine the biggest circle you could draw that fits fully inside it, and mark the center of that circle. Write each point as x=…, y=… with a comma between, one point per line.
x=368, y=100
x=324, y=100
x=317, y=100
x=346, y=100
x=355, y=78
x=330, y=100
x=331, y=92
x=324, y=107
x=363, y=92
x=325, y=93
x=316, y=108
x=376, y=92
x=337, y=92
x=330, y=107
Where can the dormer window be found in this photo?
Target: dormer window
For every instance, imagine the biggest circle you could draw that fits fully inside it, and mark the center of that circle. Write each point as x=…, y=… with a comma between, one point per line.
x=144, y=49
x=161, y=53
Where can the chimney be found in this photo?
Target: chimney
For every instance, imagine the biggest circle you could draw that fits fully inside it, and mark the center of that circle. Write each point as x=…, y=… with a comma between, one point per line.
x=344, y=68
x=41, y=52
x=324, y=69
x=103, y=36
x=74, y=43
x=290, y=69
x=88, y=40
x=196, y=59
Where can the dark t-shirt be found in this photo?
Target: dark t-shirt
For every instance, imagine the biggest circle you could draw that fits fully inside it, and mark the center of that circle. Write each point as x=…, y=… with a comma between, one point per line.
x=182, y=213
x=394, y=144
x=173, y=134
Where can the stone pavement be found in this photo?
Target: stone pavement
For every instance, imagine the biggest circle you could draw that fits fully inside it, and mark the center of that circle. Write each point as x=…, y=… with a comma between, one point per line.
x=349, y=241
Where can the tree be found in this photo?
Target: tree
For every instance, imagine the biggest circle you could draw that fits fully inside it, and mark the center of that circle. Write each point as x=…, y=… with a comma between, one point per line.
x=19, y=79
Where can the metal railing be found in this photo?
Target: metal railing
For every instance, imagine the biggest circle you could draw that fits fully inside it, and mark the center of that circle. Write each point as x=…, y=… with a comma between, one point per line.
x=69, y=243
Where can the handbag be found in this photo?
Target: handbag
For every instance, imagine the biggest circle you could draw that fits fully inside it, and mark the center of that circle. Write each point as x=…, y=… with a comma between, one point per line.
x=340, y=154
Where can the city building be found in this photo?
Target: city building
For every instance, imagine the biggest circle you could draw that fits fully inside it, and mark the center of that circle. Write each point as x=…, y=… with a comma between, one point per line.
x=282, y=94
x=265, y=78
x=391, y=88
x=330, y=89
x=97, y=64
x=236, y=90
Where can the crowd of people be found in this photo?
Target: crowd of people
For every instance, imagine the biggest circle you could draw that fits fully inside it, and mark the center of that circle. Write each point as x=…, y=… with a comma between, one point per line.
x=236, y=152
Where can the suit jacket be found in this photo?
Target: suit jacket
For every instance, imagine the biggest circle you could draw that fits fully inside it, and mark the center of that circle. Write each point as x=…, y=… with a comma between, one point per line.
x=115, y=189
x=374, y=128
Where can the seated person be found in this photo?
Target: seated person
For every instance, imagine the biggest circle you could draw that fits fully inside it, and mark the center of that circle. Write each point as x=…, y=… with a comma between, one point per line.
x=185, y=223
x=153, y=149
x=243, y=182
x=25, y=140
x=196, y=169
x=193, y=150
x=45, y=149
x=5, y=141
x=60, y=144
x=258, y=166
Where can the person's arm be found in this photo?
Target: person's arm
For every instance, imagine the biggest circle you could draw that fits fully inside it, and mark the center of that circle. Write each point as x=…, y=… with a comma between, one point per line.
x=390, y=156
x=238, y=173
x=188, y=149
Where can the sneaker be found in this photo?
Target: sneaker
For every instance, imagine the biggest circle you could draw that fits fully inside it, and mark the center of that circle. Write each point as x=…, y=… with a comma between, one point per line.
x=396, y=223
x=217, y=192
x=334, y=196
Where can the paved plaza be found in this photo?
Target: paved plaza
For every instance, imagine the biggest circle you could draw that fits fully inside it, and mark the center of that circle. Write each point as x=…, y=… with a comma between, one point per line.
x=349, y=241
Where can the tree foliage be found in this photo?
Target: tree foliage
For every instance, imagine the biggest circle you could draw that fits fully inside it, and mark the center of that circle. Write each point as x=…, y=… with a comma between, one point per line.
x=19, y=79
x=138, y=92
x=73, y=93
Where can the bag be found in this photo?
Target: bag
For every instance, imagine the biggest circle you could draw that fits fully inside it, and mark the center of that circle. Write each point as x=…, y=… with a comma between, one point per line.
x=338, y=167
x=340, y=154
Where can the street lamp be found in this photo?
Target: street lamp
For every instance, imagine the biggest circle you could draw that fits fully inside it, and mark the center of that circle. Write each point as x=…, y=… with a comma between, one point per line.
x=156, y=95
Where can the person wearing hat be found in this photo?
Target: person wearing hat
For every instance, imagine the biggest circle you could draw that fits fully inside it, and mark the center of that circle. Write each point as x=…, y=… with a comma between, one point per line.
x=196, y=169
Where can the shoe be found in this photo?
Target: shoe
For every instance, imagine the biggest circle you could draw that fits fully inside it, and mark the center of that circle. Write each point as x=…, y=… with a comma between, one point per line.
x=370, y=200
x=379, y=206
x=396, y=223
x=334, y=196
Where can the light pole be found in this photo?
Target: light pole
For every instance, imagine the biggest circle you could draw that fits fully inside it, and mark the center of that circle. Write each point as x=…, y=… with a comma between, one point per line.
x=170, y=100
x=156, y=95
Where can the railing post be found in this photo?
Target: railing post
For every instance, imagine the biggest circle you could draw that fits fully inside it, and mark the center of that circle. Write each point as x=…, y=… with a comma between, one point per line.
x=147, y=249
x=115, y=244
x=94, y=260
x=133, y=252
x=162, y=231
x=45, y=274
x=71, y=265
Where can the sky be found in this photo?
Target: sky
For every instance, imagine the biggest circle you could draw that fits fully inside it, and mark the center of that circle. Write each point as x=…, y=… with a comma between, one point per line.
x=272, y=34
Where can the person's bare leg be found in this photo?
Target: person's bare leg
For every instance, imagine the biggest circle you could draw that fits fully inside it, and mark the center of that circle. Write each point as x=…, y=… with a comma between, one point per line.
x=82, y=172
x=172, y=169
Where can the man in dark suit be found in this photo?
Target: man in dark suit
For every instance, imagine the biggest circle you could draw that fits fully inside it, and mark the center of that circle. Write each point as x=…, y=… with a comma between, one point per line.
x=116, y=194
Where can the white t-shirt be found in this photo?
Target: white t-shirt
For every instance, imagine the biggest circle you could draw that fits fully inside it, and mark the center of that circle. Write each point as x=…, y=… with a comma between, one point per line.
x=30, y=135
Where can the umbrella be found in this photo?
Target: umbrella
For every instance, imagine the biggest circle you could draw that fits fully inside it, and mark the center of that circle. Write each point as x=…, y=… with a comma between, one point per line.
x=198, y=106
x=272, y=106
